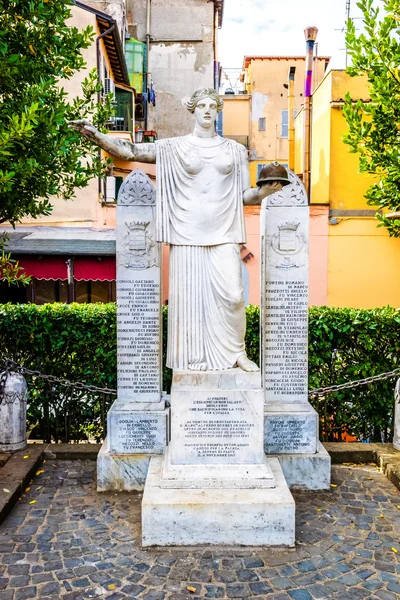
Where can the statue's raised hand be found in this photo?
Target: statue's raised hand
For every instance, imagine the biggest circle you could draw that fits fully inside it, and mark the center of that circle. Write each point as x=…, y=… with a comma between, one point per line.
x=86, y=128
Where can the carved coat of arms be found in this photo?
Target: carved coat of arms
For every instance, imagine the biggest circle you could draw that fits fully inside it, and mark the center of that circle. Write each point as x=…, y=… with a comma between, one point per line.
x=139, y=246
x=287, y=242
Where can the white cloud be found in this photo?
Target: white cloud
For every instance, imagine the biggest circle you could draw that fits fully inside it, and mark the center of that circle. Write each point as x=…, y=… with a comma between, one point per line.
x=261, y=27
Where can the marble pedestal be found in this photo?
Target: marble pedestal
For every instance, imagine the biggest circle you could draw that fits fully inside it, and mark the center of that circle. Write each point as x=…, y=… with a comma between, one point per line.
x=133, y=438
x=221, y=516
x=291, y=435
x=214, y=484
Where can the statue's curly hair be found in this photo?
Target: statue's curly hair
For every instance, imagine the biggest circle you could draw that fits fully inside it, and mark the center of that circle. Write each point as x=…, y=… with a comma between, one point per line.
x=191, y=103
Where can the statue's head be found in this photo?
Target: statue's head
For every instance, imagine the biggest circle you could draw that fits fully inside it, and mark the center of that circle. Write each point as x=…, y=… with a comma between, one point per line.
x=205, y=103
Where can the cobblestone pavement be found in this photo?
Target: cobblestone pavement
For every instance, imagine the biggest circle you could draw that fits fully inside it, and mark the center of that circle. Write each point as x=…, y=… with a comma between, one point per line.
x=63, y=540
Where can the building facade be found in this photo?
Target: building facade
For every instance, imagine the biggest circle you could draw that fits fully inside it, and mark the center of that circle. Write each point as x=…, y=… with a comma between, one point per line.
x=353, y=263
x=260, y=110
x=71, y=253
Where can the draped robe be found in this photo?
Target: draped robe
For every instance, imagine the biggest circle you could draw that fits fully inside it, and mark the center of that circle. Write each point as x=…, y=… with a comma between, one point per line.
x=200, y=214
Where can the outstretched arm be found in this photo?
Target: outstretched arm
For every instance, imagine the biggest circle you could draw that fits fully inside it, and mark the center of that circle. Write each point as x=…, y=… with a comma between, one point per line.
x=124, y=149
x=256, y=195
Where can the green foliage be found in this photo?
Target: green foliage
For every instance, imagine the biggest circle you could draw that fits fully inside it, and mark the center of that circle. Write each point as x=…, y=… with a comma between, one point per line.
x=72, y=341
x=10, y=271
x=347, y=345
x=374, y=126
x=78, y=342
x=40, y=156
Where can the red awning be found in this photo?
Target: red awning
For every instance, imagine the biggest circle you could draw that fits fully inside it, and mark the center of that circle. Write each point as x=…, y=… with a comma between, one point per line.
x=45, y=267
x=85, y=268
x=93, y=268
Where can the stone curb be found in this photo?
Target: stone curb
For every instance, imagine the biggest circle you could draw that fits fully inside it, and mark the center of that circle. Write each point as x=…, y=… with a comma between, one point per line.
x=15, y=475
x=18, y=471
x=384, y=455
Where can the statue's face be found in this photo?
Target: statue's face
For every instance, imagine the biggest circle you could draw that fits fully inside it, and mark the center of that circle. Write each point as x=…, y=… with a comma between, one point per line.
x=206, y=112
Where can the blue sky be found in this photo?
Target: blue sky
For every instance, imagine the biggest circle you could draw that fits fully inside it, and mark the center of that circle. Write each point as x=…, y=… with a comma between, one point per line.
x=276, y=28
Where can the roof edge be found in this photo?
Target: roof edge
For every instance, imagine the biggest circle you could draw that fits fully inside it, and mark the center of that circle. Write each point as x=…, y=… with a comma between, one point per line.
x=115, y=33
x=249, y=57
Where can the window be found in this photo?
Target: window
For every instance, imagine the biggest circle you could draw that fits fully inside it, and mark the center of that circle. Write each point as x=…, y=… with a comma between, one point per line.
x=261, y=124
x=284, y=124
x=259, y=167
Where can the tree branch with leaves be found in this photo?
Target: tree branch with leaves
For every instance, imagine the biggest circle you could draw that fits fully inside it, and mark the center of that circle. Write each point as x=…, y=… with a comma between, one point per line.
x=374, y=125
x=40, y=155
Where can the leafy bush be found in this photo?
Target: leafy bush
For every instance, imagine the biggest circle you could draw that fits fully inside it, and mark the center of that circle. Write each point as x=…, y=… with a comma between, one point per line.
x=78, y=342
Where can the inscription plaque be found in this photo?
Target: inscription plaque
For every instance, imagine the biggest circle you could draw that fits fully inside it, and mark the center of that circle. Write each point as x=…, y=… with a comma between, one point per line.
x=291, y=433
x=210, y=428
x=137, y=432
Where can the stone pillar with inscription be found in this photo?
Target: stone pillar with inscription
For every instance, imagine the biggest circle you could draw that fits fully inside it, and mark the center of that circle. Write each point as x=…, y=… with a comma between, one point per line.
x=137, y=423
x=291, y=423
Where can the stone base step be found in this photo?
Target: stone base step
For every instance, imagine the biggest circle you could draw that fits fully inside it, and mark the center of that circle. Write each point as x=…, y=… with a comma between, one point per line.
x=190, y=517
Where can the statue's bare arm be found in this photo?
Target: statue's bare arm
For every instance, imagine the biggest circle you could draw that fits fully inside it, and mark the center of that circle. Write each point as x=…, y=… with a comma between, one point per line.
x=145, y=153
x=252, y=196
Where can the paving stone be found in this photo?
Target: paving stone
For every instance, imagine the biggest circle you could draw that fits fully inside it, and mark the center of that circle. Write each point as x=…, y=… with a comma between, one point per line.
x=260, y=587
x=25, y=593
x=20, y=581
x=154, y=595
x=300, y=595
x=253, y=563
x=85, y=541
x=214, y=591
x=282, y=583
x=41, y=578
x=133, y=589
x=237, y=590
x=247, y=575
x=18, y=569
x=49, y=589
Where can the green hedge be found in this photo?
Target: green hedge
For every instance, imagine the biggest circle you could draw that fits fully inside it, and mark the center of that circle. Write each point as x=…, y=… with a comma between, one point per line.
x=78, y=342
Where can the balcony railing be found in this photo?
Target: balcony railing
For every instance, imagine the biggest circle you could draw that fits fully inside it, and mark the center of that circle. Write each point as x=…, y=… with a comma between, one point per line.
x=123, y=117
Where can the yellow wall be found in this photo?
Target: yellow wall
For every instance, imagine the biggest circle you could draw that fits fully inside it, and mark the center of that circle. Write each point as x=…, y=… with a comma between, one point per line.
x=236, y=115
x=321, y=147
x=363, y=265
x=361, y=260
x=267, y=77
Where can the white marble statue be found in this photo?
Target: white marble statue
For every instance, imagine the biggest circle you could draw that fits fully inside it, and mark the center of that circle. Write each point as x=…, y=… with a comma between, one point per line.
x=202, y=183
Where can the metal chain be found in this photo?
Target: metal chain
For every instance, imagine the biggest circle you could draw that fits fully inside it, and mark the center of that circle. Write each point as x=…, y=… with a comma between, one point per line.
x=351, y=384
x=3, y=378
x=11, y=365
x=77, y=385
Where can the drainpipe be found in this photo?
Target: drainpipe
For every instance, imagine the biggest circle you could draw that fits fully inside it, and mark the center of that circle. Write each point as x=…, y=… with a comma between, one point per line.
x=148, y=74
x=216, y=63
x=291, y=115
x=311, y=35
x=98, y=56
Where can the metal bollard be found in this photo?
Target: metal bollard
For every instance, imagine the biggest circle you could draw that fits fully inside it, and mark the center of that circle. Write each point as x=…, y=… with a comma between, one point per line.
x=13, y=398
x=396, y=436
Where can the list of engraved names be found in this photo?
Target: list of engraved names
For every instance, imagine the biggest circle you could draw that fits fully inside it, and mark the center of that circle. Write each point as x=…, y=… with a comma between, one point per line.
x=139, y=336
x=286, y=338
